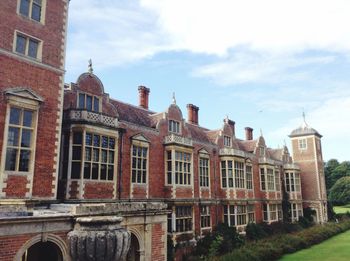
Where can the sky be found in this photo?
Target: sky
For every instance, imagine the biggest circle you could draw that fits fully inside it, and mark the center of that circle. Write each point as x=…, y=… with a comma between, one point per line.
x=261, y=63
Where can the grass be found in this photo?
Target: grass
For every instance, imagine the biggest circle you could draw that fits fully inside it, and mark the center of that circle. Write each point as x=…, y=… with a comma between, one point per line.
x=341, y=209
x=333, y=249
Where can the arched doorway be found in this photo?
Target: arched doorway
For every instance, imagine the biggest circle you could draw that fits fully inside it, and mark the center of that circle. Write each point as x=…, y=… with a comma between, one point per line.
x=43, y=251
x=134, y=251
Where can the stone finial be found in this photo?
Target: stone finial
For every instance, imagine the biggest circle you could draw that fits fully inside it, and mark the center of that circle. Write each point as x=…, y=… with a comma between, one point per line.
x=174, y=99
x=261, y=132
x=90, y=69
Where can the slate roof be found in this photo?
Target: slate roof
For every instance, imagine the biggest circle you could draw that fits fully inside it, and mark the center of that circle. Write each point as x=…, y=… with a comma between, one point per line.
x=198, y=133
x=247, y=145
x=133, y=114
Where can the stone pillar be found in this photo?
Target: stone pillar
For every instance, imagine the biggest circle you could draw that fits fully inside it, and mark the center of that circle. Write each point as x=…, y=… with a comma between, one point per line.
x=98, y=238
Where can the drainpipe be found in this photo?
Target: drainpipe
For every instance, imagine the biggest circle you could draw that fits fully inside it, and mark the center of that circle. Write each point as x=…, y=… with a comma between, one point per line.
x=120, y=168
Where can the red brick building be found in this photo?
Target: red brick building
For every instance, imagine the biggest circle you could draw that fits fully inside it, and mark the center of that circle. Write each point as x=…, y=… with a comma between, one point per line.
x=71, y=151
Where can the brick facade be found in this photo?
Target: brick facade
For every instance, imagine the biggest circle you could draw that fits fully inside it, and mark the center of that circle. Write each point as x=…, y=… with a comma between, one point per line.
x=91, y=149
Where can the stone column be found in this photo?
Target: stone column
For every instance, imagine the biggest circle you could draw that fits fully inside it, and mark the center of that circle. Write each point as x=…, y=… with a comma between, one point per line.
x=98, y=238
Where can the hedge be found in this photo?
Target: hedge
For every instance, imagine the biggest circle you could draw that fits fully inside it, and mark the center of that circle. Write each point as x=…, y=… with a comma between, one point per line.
x=275, y=247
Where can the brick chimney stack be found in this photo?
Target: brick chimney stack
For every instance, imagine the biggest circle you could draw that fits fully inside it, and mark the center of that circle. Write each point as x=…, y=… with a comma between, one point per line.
x=143, y=96
x=232, y=124
x=192, y=113
x=248, y=133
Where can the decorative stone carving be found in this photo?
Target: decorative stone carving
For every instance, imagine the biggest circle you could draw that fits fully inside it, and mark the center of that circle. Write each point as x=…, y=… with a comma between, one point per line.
x=99, y=239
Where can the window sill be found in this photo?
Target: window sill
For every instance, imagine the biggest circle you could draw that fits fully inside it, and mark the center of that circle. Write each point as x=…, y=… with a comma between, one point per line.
x=28, y=57
x=27, y=18
x=139, y=184
x=17, y=173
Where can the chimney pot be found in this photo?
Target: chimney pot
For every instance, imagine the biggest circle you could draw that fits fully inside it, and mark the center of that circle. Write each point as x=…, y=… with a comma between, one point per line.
x=248, y=133
x=192, y=111
x=143, y=96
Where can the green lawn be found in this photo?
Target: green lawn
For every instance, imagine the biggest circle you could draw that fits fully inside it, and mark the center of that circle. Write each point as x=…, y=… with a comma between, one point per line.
x=333, y=249
x=341, y=209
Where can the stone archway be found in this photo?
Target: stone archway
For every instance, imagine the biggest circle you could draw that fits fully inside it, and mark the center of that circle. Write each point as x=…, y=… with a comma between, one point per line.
x=43, y=251
x=41, y=247
x=134, y=251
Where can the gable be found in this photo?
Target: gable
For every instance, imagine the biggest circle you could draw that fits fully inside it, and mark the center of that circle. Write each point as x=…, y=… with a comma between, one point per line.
x=25, y=93
x=140, y=137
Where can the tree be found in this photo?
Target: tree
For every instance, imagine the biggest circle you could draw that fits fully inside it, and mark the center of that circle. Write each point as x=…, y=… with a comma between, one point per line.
x=340, y=193
x=329, y=167
x=341, y=171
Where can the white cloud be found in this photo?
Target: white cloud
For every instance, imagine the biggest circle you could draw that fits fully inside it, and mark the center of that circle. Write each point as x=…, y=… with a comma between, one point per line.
x=213, y=26
x=246, y=66
x=331, y=119
x=119, y=32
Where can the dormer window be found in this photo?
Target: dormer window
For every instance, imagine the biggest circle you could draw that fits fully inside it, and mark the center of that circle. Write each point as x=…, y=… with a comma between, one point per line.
x=227, y=141
x=174, y=126
x=88, y=102
x=302, y=144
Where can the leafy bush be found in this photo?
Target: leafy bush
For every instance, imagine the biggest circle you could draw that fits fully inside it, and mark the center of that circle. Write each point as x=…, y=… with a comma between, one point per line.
x=222, y=240
x=304, y=222
x=254, y=231
x=274, y=247
x=340, y=192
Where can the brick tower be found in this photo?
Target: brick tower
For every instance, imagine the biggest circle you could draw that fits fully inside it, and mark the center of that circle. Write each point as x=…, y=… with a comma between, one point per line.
x=32, y=57
x=307, y=153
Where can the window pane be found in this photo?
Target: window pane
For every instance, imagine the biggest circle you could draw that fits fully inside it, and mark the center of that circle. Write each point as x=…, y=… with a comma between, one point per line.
x=103, y=172
x=12, y=139
x=10, y=159
x=111, y=157
x=24, y=160
x=76, y=153
x=21, y=44
x=96, y=140
x=96, y=155
x=36, y=11
x=14, y=116
x=89, y=102
x=88, y=139
x=81, y=103
x=75, y=173
x=94, y=171
x=24, y=7
x=77, y=138
x=104, y=142
x=27, y=118
x=26, y=138
x=110, y=172
x=96, y=104
x=111, y=143
x=88, y=154
x=87, y=170
x=104, y=156
x=33, y=48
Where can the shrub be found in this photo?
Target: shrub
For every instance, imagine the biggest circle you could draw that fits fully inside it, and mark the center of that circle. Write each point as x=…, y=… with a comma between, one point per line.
x=305, y=222
x=254, y=231
x=215, y=246
x=274, y=247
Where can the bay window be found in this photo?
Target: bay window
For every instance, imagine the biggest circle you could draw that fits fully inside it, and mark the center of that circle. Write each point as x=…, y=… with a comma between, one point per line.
x=179, y=167
x=93, y=156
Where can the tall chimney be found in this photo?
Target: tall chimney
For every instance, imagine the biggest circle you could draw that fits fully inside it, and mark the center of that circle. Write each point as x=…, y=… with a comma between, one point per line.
x=231, y=123
x=143, y=96
x=248, y=133
x=192, y=111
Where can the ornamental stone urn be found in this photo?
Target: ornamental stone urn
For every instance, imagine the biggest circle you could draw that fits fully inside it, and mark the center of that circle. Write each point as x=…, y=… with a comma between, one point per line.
x=98, y=238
